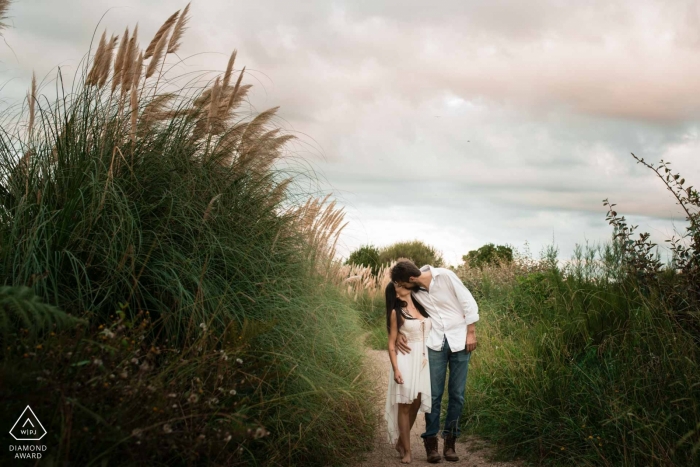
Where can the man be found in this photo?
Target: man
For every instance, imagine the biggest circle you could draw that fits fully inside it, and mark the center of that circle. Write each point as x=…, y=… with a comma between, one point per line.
x=453, y=312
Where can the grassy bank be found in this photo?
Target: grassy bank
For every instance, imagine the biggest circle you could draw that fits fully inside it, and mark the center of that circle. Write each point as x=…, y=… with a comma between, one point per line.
x=165, y=300
x=582, y=364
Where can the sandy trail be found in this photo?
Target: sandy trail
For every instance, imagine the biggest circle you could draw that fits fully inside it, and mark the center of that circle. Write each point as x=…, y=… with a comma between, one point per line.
x=472, y=453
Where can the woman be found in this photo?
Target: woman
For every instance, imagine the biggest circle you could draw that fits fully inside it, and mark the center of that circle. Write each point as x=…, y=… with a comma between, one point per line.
x=409, y=378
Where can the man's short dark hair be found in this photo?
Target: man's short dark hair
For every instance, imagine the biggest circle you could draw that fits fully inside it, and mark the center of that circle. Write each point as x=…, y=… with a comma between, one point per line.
x=403, y=270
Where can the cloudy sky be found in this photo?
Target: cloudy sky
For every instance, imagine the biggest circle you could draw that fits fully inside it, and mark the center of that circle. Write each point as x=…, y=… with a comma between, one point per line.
x=455, y=122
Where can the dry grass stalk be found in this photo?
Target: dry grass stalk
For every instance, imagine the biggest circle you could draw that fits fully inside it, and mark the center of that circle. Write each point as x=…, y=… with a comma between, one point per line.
x=157, y=55
x=214, y=105
x=232, y=104
x=106, y=62
x=210, y=206
x=135, y=95
x=4, y=6
x=174, y=43
x=229, y=69
x=162, y=31
x=130, y=62
x=31, y=97
x=156, y=111
x=119, y=60
x=93, y=77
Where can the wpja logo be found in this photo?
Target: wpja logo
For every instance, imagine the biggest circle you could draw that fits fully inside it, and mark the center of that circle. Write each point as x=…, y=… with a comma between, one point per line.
x=28, y=428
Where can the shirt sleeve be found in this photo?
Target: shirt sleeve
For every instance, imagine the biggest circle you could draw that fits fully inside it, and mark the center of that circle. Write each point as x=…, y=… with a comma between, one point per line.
x=465, y=299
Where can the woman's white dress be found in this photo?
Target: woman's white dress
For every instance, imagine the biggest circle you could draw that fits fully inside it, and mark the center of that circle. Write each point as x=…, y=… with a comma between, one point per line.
x=415, y=370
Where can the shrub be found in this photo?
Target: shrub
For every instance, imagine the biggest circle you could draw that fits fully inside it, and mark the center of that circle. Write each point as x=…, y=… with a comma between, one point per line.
x=488, y=254
x=415, y=250
x=367, y=256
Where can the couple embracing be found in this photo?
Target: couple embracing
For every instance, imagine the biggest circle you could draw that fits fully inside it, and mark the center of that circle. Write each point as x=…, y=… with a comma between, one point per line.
x=430, y=320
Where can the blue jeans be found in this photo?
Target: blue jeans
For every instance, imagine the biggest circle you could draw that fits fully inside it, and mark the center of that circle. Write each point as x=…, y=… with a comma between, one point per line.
x=458, y=363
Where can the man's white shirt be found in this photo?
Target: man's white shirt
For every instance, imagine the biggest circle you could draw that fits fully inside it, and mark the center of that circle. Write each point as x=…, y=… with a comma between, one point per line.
x=451, y=308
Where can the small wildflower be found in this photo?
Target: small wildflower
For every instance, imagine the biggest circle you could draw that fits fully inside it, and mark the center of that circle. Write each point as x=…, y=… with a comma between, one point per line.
x=227, y=438
x=167, y=428
x=97, y=362
x=232, y=392
x=203, y=326
x=107, y=333
x=193, y=398
x=239, y=361
x=259, y=433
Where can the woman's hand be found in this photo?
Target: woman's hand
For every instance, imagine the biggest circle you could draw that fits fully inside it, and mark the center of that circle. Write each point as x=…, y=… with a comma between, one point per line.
x=398, y=378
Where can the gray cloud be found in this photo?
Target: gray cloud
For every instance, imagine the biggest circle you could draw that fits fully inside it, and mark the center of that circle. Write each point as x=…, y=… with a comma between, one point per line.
x=457, y=122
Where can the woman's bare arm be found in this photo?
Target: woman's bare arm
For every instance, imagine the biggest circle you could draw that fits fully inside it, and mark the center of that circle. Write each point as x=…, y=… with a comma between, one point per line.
x=393, y=332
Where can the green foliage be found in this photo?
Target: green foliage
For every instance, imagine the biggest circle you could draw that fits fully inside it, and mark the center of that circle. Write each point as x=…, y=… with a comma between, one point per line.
x=417, y=251
x=579, y=366
x=367, y=256
x=488, y=254
x=20, y=306
x=183, y=223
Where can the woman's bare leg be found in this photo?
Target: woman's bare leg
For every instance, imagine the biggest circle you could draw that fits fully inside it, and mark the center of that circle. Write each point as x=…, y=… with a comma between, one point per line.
x=414, y=410
x=405, y=431
x=399, y=446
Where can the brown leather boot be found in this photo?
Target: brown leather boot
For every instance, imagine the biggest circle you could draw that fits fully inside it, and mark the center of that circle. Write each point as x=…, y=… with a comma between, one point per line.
x=431, y=449
x=448, y=450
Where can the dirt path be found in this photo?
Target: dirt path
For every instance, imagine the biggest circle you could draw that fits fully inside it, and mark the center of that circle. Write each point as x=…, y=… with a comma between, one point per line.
x=384, y=454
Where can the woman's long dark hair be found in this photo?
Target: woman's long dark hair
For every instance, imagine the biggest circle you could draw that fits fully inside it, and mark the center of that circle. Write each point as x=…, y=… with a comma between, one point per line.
x=395, y=303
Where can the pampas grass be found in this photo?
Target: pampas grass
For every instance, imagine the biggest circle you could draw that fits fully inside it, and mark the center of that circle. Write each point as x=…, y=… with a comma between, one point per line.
x=180, y=27
x=177, y=238
x=4, y=6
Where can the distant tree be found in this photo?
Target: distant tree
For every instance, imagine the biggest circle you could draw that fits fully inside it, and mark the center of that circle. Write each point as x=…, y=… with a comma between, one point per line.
x=416, y=251
x=367, y=256
x=488, y=254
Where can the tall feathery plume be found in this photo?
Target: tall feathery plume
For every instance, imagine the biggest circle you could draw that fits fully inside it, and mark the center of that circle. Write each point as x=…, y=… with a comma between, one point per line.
x=107, y=61
x=214, y=104
x=4, y=6
x=236, y=88
x=119, y=60
x=31, y=96
x=94, y=75
x=130, y=58
x=174, y=43
x=229, y=69
x=157, y=55
x=135, y=95
x=159, y=34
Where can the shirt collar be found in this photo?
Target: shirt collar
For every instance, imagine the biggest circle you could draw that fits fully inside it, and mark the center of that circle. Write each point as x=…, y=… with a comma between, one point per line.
x=432, y=270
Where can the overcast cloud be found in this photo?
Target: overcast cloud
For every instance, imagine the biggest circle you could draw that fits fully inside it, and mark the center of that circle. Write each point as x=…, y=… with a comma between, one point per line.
x=454, y=122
